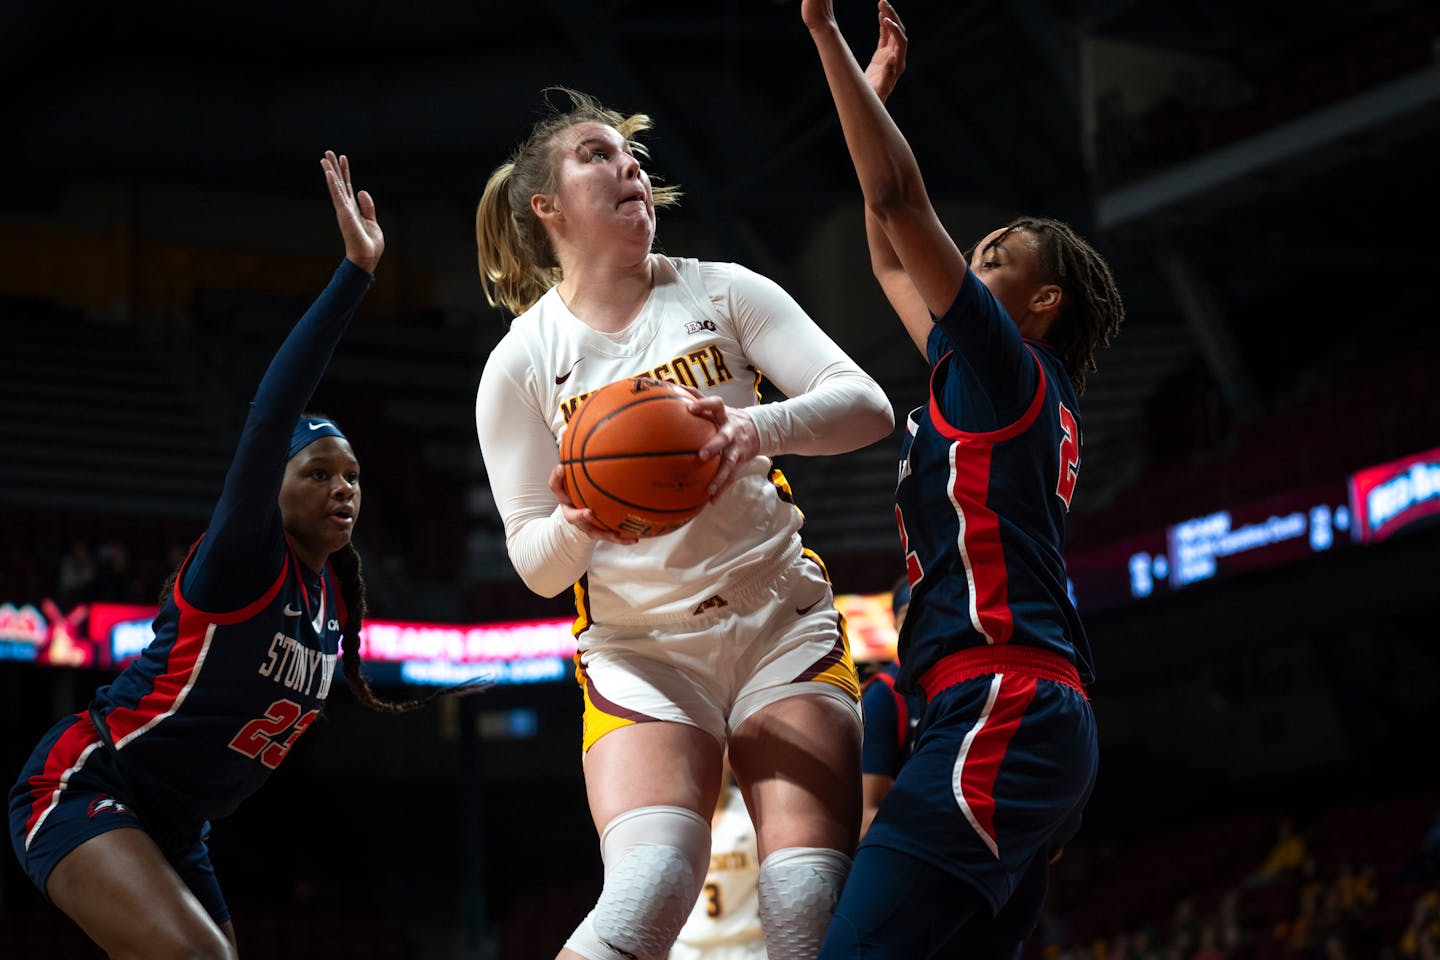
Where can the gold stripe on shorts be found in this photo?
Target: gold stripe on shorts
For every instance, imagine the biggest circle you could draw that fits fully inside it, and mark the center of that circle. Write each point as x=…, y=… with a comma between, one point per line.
x=602, y=716
x=838, y=666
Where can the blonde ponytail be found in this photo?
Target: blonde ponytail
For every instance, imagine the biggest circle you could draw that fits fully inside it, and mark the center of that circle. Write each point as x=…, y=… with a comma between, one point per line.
x=510, y=270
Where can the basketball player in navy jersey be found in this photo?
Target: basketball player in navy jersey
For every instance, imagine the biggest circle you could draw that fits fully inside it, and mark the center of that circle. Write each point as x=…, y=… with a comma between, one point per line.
x=892, y=723
x=956, y=862
x=111, y=813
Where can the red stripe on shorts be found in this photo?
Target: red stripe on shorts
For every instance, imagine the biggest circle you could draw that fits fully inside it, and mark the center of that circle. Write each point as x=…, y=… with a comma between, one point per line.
x=984, y=748
x=62, y=759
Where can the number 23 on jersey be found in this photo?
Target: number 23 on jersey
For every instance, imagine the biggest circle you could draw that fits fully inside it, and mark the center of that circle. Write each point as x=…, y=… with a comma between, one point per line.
x=257, y=739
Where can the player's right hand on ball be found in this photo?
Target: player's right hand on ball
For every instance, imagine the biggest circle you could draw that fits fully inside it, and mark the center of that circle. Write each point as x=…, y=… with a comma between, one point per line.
x=580, y=516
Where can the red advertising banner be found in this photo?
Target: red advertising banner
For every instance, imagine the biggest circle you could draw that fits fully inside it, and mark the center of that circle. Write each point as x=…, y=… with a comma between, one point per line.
x=107, y=636
x=1392, y=496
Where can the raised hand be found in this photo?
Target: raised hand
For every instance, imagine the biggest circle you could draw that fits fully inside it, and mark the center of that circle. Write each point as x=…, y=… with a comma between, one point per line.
x=889, y=60
x=355, y=212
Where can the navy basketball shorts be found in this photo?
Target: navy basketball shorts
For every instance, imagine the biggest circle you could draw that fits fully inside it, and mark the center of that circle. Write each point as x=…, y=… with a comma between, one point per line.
x=995, y=788
x=69, y=792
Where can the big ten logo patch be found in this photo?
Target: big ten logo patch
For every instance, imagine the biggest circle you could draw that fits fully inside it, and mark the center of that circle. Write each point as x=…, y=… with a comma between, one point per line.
x=696, y=326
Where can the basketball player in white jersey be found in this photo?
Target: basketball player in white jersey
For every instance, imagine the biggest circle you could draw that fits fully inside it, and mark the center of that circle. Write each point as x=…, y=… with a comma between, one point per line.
x=722, y=633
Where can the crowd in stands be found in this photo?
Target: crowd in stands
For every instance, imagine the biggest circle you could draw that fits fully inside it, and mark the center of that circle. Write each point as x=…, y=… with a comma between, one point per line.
x=71, y=559
x=104, y=572
x=1202, y=115
x=1354, y=885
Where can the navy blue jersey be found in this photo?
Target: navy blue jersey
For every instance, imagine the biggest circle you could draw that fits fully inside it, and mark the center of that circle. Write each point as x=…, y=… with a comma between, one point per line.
x=245, y=645
x=987, y=471
x=892, y=722
x=218, y=699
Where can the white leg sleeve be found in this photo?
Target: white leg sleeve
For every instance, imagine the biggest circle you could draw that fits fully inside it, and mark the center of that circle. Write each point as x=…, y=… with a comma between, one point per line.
x=799, y=887
x=655, y=863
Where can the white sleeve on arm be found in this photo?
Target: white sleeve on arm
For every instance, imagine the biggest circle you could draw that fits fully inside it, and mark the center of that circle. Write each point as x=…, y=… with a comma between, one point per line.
x=548, y=551
x=832, y=405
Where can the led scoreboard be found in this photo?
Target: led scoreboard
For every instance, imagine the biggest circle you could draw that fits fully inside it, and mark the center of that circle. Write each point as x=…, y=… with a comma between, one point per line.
x=1367, y=507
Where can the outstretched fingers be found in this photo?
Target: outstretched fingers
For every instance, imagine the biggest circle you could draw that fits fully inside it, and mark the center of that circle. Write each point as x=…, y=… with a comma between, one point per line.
x=887, y=14
x=888, y=62
x=342, y=187
x=892, y=33
x=332, y=176
x=355, y=213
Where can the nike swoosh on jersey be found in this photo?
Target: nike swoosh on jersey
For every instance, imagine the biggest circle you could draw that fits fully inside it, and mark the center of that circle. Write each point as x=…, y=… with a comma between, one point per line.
x=801, y=611
x=561, y=378
x=290, y=611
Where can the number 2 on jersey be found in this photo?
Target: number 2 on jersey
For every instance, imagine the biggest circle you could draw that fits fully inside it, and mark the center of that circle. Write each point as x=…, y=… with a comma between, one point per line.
x=1069, y=456
x=913, y=570
x=257, y=738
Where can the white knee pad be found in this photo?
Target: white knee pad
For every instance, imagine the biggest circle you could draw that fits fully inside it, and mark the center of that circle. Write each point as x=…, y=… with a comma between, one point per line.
x=799, y=887
x=655, y=863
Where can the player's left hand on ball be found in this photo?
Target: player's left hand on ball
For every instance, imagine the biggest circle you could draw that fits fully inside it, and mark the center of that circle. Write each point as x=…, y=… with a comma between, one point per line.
x=736, y=440
x=582, y=517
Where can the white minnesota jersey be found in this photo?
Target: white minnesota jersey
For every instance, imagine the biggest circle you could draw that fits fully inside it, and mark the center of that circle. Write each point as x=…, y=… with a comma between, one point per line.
x=709, y=326
x=728, y=911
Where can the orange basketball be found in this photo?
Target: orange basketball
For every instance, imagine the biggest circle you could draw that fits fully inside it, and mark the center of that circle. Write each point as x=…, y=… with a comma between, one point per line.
x=631, y=455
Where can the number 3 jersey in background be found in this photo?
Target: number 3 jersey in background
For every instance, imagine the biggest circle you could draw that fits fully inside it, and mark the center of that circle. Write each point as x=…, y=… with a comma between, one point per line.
x=725, y=924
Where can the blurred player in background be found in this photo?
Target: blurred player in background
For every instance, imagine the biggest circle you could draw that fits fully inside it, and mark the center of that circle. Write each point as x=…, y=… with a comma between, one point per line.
x=725, y=922
x=892, y=722
x=956, y=863
x=722, y=633
x=111, y=813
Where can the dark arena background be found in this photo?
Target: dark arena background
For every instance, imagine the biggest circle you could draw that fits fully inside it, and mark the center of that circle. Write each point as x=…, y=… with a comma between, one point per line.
x=1254, y=544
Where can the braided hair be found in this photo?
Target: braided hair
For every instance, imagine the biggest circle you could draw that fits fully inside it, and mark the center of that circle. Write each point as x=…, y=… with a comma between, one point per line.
x=345, y=562
x=1091, y=311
